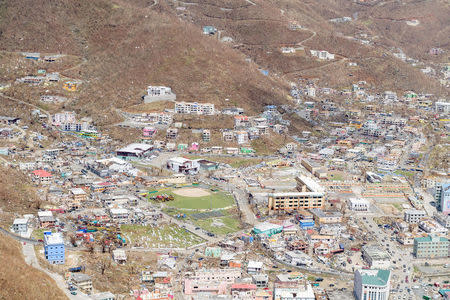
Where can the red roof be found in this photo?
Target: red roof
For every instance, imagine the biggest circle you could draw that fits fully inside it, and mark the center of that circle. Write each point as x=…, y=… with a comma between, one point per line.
x=42, y=173
x=247, y=286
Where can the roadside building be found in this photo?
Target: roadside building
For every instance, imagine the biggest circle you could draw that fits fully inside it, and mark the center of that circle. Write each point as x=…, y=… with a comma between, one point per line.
x=46, y=219
x=326, y=217
x=20, y=225
x=431, y=247
x=134, y=150
x=82, y=282
x=414, y=216
x=376, y=257
x=372, y=284
x=54, y=248
x=358, y=204
x=309, y=195
x=433, y=227
x=183, y=165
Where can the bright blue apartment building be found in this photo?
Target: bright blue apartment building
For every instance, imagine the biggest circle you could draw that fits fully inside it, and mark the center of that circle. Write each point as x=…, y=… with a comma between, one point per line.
x=54, y=249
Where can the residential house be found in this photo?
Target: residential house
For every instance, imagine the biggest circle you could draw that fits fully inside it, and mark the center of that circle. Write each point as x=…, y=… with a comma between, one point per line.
x=20, y=225
x=54, y=248
x=183, y=165
x=82, y=281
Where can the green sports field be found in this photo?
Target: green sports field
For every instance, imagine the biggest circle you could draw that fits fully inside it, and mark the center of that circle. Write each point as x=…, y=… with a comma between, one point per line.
x=215, y=200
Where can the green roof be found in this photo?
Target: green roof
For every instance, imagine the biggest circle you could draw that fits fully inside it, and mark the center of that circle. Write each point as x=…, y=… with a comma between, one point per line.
x=427, y=239
x=381, y=277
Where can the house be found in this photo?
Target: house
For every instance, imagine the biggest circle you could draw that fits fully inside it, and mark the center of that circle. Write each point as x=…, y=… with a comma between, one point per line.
x=149, y=131
x=321, y=248
x=211, y=281
x=46, y=219
x=78, y=195
x=82, y=281
x=20, y=225
x=206, y=135
x=254, y=267
x=241, y=137
x=159, y=93
x=42, y=177
x=414, y=216
x=134, y=150
x=298, y=245
x=209, y=30
x=54, y=248
x=119, y=215
x=119, y=256
x=228, y=136
x=232, y=150
x=243, y=291
x=172, y=133
x=260, y=280
x=183, y=165
x=208, y=165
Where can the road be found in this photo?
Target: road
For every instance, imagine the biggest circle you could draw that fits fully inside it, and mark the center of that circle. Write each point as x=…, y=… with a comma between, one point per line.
x=31, y=259
x=403, y=258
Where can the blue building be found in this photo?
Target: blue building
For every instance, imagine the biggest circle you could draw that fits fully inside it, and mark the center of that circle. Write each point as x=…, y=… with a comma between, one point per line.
x=54, y=249
x=306, y=223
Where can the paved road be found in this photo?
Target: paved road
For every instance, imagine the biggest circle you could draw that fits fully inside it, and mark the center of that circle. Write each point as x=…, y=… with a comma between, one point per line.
x=31, y=259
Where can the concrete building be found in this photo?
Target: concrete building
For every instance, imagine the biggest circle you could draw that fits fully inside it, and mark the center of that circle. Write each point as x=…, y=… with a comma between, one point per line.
x=376, y=257
x=159, y=93
x=206, y=135
x=46, y=219
x=54, y=248
x=119, y=215
x=134, y=150
x=372, y=284
x=243, y=291
x=20, y=226
x=326, y=217
x=358, y=204
x=442, y=219
x=211, y=281
x=442, y=197
x=309, y=195
x=431, y=247
x=82, y=281
x=183, y=165
x=194, y=108
x=413, y=216
x=433, y=227
x=293, y=290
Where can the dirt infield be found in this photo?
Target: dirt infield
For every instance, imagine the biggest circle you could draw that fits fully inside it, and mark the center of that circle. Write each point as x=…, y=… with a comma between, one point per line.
x=191, y=192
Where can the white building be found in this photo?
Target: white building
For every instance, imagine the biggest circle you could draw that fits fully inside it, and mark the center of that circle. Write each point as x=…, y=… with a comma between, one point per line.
x=376, y=257
x=321, y=54
x=442, y=107
x=431, y=226
x=119, y=215
x=64, y=117
x=194, y=108
x=254, y=267
x=183, y=165
x=298, y=258
x=159, y=93
x=372, y=284
x=414, y=215
x=358, y=204
x=20, y=226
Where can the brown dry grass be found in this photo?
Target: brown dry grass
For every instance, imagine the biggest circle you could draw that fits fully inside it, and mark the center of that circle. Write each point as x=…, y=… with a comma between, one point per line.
x=21, y=281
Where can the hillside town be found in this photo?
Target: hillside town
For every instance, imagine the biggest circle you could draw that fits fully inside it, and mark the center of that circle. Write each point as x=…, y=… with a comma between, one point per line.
x=356, y=207
x=339, y=191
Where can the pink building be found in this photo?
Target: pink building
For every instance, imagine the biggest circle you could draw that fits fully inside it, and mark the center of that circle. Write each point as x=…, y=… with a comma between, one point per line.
x=243, y=291
x=63, y=118
x=149, y=131
x=214, y=281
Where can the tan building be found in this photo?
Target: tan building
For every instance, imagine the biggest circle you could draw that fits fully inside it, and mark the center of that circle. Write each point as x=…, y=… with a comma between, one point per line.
x=309, y=195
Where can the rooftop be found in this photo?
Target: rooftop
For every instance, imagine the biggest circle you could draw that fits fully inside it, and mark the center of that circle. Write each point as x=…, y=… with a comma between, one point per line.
x=55, y=238
x=375, y=277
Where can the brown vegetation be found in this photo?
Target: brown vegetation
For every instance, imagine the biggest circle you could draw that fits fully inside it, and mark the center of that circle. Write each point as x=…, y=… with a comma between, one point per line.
x=21, y=281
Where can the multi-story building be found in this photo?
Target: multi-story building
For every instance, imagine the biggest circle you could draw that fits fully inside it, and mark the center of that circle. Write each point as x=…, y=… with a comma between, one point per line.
x=206, y=135
x=326, y=217
x=63, y=117
x=309, y=195
x=372, y=284
x=82, y=281
x=213, y=281
x=194, y=108
x=414, y=216
x=54, y=248
x=442, y=197
x=376, y=257
x=358, y=204
x=159, y=93
x=241, y=137
x=431, y=247
x=20, y=226
x=442, y=219
x=433, y=227
x=228, y=136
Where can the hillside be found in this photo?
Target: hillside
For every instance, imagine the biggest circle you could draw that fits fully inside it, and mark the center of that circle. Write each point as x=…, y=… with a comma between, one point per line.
x=20, y=281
